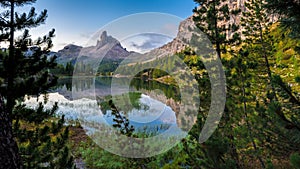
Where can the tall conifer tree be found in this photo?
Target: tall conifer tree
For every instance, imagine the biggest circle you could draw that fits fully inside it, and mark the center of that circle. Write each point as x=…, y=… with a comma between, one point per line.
x=23, y=70
x=289, y=13
x=213, y=18
x=276, y=102
x=256, y=23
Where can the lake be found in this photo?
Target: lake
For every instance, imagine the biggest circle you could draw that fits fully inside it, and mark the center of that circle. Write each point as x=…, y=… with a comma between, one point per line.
x=160, y=114
x=150, y=106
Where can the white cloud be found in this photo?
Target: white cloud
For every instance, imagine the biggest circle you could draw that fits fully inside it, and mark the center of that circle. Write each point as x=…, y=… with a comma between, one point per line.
x=145, y=42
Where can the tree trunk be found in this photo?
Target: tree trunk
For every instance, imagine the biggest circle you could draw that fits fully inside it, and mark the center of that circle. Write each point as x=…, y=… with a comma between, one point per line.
x=9, y=154
x=9, y=151
x=270, y=76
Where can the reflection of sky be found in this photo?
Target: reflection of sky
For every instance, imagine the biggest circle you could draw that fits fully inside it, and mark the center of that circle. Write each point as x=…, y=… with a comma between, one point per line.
x=83, y=109
x=145, y=42
x=88, y=110
x=156, y=111
x=156, y=115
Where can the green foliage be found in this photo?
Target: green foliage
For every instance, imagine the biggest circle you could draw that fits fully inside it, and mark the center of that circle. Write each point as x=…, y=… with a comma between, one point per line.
x=69, y=69
x=286, y=55
x=289, y=12
x=42, y=138
x=83, y=68
x=123, y=102
x=24, y=70
x=212, y=18
x=159, y=67
x=169, y=90
x=66, y=70
x=107, y=67
x=96, y=157
x=261, y=120
x=121, y=122
x=295, y=160
x=262, y=116
x=297, y=79
x=253, y=127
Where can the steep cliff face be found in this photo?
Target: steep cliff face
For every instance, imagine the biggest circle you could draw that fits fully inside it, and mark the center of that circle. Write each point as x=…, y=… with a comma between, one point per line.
x=240, y=4
x=184, y=31
x=187, y=26
x=176, y=45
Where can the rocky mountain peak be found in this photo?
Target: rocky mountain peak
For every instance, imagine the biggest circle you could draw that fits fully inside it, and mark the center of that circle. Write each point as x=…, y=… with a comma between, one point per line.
x=103, y=35
x=107, y=47
x=105, y=39
x=71, y=47
x=184, y=31
x=69, y=51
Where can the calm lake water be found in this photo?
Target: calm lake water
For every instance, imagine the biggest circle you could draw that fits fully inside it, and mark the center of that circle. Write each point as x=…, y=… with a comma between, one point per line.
x=150, y=106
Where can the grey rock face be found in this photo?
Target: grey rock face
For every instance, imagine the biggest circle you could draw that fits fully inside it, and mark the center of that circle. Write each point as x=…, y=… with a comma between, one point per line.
x=106, y=46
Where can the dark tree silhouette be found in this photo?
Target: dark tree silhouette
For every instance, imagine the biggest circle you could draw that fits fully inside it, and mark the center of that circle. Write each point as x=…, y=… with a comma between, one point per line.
x=23, y=70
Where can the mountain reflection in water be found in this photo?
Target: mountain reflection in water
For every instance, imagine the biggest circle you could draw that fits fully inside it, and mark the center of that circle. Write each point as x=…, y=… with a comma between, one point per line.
x=150, y=114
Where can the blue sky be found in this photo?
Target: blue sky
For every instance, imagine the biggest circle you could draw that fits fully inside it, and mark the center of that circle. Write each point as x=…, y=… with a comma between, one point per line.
x=76, y=21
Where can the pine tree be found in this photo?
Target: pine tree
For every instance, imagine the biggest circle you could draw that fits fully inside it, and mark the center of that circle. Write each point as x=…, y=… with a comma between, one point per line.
x=241, y=81
x=216, y=18
x=42, y=140
x=210, y=154
x=213, y=18
x=23, y=70
x=69, y=69
x=256, y=23
x=289, y=12
x=276, y=102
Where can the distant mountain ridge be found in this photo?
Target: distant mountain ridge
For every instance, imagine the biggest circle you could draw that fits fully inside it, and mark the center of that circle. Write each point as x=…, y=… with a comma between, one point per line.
x=110, y=49
x=107, y=48
x=68, y=54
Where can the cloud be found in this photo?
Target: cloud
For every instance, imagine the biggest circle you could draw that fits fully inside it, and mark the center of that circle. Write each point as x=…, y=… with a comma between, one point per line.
x=145, y=42
x=146, y=45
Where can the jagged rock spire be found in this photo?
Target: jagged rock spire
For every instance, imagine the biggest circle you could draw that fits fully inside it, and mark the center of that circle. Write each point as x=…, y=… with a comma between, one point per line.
x=103, y=35
x=105, y=39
